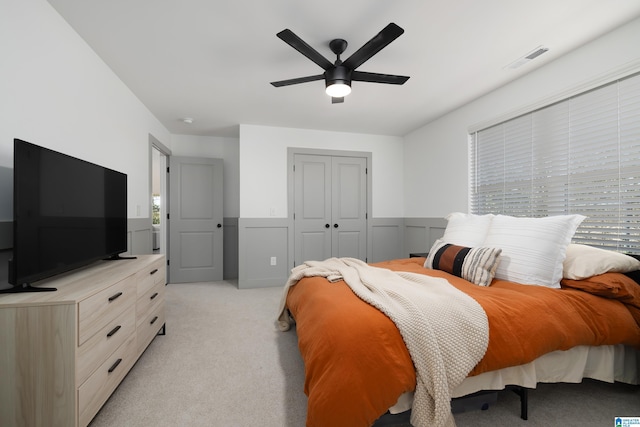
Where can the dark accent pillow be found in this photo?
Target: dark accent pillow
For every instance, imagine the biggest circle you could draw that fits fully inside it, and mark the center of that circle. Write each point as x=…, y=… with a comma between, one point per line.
x=635, y=275
x=476, y=265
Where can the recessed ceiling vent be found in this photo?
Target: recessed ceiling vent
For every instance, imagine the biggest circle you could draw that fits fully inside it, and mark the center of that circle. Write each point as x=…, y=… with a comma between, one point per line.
x=528, y=57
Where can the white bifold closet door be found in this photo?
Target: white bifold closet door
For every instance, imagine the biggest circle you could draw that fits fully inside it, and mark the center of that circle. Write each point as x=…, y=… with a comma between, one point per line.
x=330, y=202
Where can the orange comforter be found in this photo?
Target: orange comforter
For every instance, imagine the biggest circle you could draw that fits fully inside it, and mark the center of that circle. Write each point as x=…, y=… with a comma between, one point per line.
x=356, y=363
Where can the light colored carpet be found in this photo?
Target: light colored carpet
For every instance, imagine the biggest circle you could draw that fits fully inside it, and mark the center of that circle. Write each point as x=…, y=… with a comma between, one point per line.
x=223, y=363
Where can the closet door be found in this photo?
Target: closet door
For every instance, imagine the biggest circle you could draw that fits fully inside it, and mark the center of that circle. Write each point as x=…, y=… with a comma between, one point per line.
x=349, y=207
x=312, y=215
x=330, y=202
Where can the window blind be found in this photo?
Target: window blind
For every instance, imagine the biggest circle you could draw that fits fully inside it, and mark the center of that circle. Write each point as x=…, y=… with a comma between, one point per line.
x=580, y=155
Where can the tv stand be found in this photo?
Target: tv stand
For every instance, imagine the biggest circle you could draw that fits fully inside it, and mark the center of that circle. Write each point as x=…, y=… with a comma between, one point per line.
x=62, y=354
x=26, y=288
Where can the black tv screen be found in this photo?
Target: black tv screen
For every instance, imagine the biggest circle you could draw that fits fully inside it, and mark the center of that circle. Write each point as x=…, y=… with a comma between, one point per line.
x=67, y=213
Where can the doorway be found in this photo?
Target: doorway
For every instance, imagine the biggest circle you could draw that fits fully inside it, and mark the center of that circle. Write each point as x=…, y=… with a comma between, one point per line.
x=159, y=197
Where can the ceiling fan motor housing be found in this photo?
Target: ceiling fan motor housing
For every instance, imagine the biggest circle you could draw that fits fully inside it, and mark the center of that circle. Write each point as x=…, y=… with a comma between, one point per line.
x=338, y=74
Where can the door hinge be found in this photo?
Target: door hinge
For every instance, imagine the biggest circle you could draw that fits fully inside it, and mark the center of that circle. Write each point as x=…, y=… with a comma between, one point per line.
x=366, y=171
x=167, y=169
x=366, y=215
x=168, y=262
x=167, y=216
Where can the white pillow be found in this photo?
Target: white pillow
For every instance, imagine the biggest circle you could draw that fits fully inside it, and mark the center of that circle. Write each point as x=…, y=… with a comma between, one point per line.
x=584, y=261
x=466, y=229
x=533, y=249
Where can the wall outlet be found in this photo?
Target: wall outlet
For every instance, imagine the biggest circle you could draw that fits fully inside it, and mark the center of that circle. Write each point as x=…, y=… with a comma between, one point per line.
x=273, y=260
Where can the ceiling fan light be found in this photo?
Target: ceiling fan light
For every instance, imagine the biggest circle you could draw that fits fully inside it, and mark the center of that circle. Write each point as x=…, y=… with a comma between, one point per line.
x=338, y=90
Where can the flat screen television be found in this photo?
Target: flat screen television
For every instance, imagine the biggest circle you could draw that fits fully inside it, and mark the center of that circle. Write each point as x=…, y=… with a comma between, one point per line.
x=67, y=213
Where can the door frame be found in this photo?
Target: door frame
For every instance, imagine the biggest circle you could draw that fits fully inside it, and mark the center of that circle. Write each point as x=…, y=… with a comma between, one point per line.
x=291, y=152
x=155, y=144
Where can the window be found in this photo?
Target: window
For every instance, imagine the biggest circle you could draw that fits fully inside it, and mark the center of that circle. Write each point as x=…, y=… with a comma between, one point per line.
x=155, y=209
x=580, y=155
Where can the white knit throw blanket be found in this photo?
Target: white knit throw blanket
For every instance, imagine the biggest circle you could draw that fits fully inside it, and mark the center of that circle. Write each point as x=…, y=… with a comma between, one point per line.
x=445, y=330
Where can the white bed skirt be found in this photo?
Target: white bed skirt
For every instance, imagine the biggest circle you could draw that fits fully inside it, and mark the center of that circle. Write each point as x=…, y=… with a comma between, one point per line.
x=605, y=363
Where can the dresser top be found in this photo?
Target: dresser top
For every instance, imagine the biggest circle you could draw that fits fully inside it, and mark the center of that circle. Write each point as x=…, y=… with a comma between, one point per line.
x=80, y=283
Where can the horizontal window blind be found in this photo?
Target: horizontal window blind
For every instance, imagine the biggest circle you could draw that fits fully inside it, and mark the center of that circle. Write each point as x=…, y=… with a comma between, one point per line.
x=580, y=155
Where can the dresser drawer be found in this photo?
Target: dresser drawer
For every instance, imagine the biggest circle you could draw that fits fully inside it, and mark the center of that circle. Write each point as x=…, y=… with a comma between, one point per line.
x=102, y=344
x=148, y=277
x=95, y=312
x=147, y=302
x=149, y=326
x=98, y=387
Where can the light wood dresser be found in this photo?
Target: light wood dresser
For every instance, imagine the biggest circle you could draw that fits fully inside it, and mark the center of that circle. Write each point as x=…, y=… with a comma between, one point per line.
x=63, y=353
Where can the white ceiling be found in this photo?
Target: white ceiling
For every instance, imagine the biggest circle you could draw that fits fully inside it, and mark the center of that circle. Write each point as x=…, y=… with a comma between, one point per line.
x=213, y=60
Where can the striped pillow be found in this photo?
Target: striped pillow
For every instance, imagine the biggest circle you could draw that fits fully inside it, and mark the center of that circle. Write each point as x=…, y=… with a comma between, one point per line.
x=477, y=265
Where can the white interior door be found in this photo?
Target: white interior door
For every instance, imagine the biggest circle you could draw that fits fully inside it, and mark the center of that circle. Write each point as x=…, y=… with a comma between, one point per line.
x=330, y=207
x=195, y=219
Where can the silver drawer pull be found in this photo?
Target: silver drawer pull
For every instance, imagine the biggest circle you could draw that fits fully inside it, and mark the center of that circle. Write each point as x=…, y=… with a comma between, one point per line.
x=115, y=365
x=113, y=331
x=154, y=271
x=153, y=296
x=154, y=320
x=115, y=297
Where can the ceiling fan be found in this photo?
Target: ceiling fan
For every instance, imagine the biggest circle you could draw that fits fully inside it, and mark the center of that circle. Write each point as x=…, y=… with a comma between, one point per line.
x=339, y=75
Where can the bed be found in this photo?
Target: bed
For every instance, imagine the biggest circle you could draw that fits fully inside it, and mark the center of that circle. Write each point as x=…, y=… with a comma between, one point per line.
x=358, y=363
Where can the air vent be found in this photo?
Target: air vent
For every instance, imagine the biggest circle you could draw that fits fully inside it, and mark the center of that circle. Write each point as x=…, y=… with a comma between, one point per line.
x=528, y=57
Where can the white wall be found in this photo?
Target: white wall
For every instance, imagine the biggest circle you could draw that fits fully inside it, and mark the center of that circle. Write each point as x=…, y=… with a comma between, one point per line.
x=435, y=156
x=56, y=92
x=263, y=167
x=215, y=147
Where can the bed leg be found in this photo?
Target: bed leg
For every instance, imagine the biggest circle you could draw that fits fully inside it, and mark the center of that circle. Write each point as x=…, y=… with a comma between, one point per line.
x=524, y=400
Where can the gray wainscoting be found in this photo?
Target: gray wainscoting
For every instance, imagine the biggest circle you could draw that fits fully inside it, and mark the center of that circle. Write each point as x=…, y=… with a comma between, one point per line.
x=261, y=239
x=139, y=236
x=230, y=248
x=385, y=239
x=421, y=233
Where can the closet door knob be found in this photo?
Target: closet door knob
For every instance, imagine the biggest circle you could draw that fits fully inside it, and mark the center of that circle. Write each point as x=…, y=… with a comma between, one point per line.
x=327, y=226
x=335, y=225
x=219, y=225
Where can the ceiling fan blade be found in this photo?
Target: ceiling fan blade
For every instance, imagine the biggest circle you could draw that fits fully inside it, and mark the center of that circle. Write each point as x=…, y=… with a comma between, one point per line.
x=362, y=76
x=301, y=46
x=298, y=80
x=337, y=100
x=373, y=46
